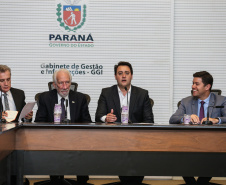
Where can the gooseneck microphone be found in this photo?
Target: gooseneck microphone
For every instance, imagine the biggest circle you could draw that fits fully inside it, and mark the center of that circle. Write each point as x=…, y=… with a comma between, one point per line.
x=127, y=104
x=208, y=122
x=1, y=109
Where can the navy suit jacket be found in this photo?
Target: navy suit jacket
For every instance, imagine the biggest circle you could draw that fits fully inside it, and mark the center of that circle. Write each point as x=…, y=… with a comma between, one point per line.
x=189, y=105
x=78, y=107
x=140, y=109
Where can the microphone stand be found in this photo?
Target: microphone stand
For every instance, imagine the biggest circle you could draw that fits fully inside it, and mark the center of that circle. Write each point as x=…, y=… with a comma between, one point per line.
x=208, y=122
x=1, y=109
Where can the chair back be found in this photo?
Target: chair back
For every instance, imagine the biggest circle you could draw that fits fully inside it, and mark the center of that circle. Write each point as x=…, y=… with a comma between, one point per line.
x=152, y=102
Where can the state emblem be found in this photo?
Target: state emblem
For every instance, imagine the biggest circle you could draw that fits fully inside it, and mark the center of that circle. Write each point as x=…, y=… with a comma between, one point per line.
x=71, y=16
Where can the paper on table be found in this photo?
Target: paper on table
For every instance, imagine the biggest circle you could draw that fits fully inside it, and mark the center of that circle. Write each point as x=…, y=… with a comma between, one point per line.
x=11, y=115
x=27, y=108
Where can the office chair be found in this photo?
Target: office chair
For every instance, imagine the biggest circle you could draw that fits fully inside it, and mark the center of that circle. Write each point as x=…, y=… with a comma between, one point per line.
x=152, y=102
x=88, y=98
x=215, y=91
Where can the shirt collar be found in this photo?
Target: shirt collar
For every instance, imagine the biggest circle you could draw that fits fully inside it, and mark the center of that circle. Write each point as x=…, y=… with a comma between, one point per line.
x=59, y=97
x=119, y=90
x=8, y=93
x=206, y=100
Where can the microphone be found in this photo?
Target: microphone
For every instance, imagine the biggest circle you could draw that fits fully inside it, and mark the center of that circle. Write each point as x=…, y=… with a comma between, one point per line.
x=208, y=122
x=127, y=104
x=1, y=109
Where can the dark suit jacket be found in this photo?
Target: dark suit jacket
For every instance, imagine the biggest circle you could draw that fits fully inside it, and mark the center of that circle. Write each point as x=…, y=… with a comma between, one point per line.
x=189, y=105
x=140, y=109
x=19, y=100
x=78, y=107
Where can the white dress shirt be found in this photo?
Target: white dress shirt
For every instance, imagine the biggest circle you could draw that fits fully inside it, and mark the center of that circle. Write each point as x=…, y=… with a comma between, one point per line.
x=68, y=108
x=12, y=105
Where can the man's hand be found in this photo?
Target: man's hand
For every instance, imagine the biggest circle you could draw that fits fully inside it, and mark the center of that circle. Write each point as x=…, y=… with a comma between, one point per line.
x=110, y=117
x=195, y=119
x=214, y=120
x=29, y=115
x=4, y=114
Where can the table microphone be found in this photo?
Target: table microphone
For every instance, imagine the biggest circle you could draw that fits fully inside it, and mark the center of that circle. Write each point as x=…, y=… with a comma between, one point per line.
x=127, y=104
x=208, y=122
x=1, y=109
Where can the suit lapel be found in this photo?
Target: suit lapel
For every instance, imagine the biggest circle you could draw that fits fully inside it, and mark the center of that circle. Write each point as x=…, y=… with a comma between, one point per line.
x=211, y=103
x=16, y=100
x=72, y=103
x=116, y=100
x=195, y=106
x=54, y=100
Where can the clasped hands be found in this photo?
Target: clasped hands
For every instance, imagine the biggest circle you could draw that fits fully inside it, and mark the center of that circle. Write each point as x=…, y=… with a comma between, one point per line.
x=110, y=117
x=195, y=120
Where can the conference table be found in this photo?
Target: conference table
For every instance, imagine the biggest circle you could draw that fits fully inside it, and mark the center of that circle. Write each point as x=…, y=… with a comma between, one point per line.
x=111, y=149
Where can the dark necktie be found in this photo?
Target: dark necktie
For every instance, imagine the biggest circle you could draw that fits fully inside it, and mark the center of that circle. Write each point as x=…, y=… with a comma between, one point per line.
x=6, y=102
x=63, y=109
x=201, y=112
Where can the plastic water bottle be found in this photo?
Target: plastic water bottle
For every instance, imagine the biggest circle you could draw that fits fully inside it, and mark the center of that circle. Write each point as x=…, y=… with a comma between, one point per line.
x=57, y=113
x=124, y=114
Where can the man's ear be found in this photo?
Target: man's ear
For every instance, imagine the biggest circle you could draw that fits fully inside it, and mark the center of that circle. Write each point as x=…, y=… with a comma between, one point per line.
x=207, y=87
x=54, y=85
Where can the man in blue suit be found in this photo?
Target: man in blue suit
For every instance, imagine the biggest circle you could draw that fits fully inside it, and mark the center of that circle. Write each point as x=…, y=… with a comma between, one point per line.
x=197, y=105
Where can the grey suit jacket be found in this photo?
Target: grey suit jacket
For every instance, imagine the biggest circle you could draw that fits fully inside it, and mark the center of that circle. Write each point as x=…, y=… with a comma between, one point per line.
x=78, y=107
x=189, y=105
x=140, y=109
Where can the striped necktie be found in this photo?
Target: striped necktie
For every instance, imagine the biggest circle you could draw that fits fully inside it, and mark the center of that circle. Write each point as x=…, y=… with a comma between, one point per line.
x=6, y=102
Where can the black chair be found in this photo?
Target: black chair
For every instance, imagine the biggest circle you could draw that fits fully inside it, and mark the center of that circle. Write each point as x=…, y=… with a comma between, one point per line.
x=88, y=98
x=215, y=91
x=152, y=102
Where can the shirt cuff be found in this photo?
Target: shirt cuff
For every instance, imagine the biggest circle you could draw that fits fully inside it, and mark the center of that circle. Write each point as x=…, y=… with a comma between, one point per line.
x=103, y=118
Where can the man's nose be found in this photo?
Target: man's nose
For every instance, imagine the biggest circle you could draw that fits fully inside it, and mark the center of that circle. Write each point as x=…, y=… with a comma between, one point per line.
x=64, y=85
x=6, y=82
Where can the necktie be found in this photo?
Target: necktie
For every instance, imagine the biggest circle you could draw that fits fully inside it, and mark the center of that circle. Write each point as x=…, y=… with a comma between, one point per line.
x=6, y=102
x=201, y=112
x=63, y=109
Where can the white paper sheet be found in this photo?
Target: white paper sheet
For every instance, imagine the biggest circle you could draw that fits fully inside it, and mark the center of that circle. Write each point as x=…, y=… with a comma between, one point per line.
x=27, y=108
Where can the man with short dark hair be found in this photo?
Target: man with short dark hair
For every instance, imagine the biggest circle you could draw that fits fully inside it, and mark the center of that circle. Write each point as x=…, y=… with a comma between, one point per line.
x=197, y=105
x=12, y=99
x=113, y=98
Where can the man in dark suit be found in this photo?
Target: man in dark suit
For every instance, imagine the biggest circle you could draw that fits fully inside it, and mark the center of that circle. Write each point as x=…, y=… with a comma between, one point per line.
x=113, y=98
x=78, y=107
x=197, y=105
x=12, y=99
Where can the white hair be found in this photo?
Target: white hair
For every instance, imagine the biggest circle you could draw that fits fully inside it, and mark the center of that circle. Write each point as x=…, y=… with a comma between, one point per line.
x=61, y=70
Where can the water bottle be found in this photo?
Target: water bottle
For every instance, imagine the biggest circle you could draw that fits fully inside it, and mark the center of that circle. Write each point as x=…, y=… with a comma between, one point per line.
x=124, y=114
x=57, y=113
